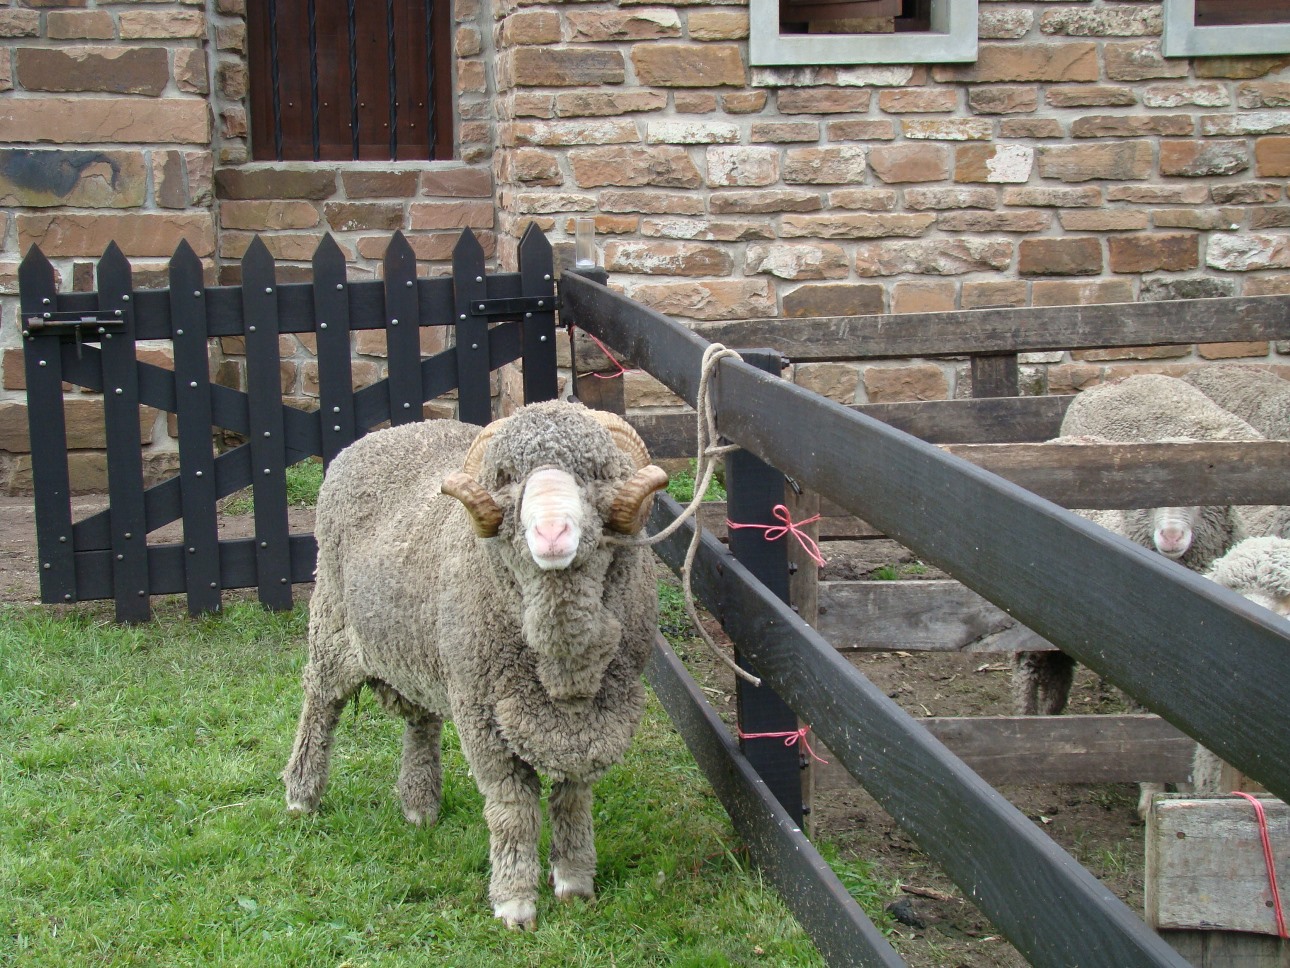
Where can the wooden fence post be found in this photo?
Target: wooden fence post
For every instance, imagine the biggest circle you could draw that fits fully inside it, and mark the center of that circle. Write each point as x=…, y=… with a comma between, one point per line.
x=753, y=489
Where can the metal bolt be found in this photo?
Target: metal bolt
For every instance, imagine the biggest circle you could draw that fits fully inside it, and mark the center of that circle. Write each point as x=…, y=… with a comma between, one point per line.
x=481, y=307
x=125, y=298
x=268, y=289
x=199, y=473
x=179, y=332
x=479, y=278
x=407, y=406
x=250, y=329
x=266, y=433
x=463, y=315
x=192, y=551
x=264, y=544
x=547, y=277
x=340, y=285
x=267, y=470
x=335, y=409
x=336, y=428
x=197, y=293
x=102, y=330
x=118, y=391
x=51, y=315
x=44, y=362
x=107, y=335
x=120, y=557
x=45, y=301
x=408, y=283
x=394, y=322
x=118, y=312
x=62, y=539
x=528, y=315
x=474, y=346
x=128, y=536
x=67, y=597
x=282, y=581
x=322, y=325
x=541, y=302
x=213, y=585
x=142, y=593
x=542, y=338
x=47, y=566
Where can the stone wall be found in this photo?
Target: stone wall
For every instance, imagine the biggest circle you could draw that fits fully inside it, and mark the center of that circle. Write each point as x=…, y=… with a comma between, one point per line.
x=1071, y=163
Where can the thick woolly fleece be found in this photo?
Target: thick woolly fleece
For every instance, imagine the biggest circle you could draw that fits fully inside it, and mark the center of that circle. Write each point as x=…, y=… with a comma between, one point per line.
x=540, y=670
x=1260, y=398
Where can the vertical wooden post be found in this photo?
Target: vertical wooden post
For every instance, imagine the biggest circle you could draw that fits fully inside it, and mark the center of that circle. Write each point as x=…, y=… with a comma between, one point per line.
x=402, y=332
x=537, y=281
x=804, y=597
x=753, y=489
x=474, y=398
x=338, y=428
x=995, y=375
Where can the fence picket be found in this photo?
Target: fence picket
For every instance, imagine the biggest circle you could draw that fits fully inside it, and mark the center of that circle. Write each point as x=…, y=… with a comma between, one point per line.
x=124, y=460
x=335, y=372
x=48, y=431
x=474, y=399
x=402, y=334
x=193, y=413
x=537, y=270
x=268, y=436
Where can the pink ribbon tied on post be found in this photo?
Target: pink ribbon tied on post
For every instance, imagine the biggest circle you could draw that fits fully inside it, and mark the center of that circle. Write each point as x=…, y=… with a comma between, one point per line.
x=791, y=738
x=776, y=531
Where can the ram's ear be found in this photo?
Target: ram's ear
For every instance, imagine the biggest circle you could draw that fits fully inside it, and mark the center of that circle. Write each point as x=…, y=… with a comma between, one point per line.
x=484, y=513
x=634, y=498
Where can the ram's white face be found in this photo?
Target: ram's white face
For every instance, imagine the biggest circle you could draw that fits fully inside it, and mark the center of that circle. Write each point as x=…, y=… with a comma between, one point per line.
x=551, y=516
x=1172, y=530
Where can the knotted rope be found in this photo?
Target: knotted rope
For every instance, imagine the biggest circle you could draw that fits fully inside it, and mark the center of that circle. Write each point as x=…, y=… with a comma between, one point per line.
x=791, y=738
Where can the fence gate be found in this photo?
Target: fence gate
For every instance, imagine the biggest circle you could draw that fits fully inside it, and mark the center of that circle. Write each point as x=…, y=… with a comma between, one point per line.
x=90, y=340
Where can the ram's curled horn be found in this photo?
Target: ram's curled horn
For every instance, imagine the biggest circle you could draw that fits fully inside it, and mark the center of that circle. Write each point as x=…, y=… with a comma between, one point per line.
x=475, y=456
x=625, y=436
x=484, y=512
x=632, y=502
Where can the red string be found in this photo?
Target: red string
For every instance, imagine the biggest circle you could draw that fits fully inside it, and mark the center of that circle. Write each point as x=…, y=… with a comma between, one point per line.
x=776, y=531
x=1267, y=860
x=789, y=738
x=608, y=354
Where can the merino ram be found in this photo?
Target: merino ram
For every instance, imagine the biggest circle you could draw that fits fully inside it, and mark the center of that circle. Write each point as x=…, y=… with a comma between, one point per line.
x=1140, y=409
x=523, y=620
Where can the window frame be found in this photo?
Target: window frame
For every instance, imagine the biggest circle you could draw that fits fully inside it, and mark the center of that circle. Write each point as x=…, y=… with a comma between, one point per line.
x=1182, y=38
x=951, y=39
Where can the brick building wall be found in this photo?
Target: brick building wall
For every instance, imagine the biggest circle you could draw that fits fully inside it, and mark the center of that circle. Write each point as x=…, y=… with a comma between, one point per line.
x=1071, y=163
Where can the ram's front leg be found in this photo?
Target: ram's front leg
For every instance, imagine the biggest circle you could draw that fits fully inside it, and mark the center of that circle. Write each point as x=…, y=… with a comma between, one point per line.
x=513, y=812
x=573, y=842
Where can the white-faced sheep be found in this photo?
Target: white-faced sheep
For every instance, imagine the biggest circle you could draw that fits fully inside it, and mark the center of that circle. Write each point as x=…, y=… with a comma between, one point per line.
x=518, y=619
x=1140, y=409
x=1259, y=569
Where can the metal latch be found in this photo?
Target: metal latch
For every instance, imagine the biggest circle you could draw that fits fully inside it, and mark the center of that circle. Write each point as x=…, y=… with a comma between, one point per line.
x=516, y=306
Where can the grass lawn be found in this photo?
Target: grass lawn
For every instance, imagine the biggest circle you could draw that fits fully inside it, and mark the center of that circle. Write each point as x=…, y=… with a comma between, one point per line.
x=142, y=823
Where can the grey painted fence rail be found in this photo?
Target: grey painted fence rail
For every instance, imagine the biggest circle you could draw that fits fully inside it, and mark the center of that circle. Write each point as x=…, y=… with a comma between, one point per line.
x=1106, y=606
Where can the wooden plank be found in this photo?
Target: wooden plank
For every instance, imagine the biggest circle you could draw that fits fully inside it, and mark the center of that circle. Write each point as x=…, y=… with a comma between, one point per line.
x=124, y=446
x=1030, y=888
x=1015, y=330
x=193, y=414
x=917, y=616
x=267, y=438
x=819, y=901
x=537, y=269
x=47, y=425
x=1205, y=866
x=337, y=427
x=474, y=397
x=1026, y=750
x=402, y=338
x=1229, y=949
x=994, y=375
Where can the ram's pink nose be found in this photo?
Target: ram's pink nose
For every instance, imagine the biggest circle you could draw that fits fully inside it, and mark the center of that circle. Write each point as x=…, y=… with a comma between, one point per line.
x=1173, y=540
x=554, y=539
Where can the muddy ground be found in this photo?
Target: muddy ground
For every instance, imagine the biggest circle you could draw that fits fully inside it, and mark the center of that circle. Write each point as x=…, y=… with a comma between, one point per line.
x=1098, y=825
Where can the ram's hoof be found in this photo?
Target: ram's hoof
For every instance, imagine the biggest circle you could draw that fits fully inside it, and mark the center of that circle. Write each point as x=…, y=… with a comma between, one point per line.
x=517, y=915
x=297, y=809
x=421, y=818
x=568, y=887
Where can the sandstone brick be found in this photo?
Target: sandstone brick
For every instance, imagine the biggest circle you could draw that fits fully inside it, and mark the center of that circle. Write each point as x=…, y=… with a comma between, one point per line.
x=765, y=202
x=865, y=199
x=694, y=102
x=380, y=184
x=19, y=23
x=1140, y=61
x=1277, y=217
x=15, y=370
x=708, y=299
x=352, y=216
x=981, y=222
x=1053, y=197
x=562, y=67
x=832, y=225
x=948, y=129
x=231, y=38
x=1121, y=126
x=268, y=216
x=934, y=257
x=824, y=166
x=662, y=166
x=1272, y=157
x=993, y=163
x=923, y=297
x=265, y=183
x=468, y=41
x=837, y=381
x=642, y=390
x=531, y=104
x=1198, y=159
x=458, y=182
x=1004, y=24
x=64, y=234
x=1154, y=252
x=1002, y=100
x=561, y=134
x=608, y=103
x=1245, y=123
x=992, y=295
x=530, y=27
x=6, y=69
x=700, y=230
x=1023, y=128
x=602, y=25
x=232, y=80
x=1245, y=253
x=162, y=24
x=689, y=65
x=918, y=101
x=169, y=188
x=1262, y=94
x=64, y=120
x=1070, y=378
x=910, y=163
x=1116, y=160
x=450, y=215
x=287, y=247
x=822, y=101
x=1084, y=292
x=834, y=299
x=79, y=25
x=1186, y=95
x=190, y=71
x=233, y=122
x=1239, y=68
x=1161, y=288
x=892, y=384
x=1251, y=193
x=860, y=130
x=667, y=259
x=790, y=261
x=1104, y=220
x=1117, y=21
x=674, y=132
x=1131, y=353
x=531, y=166
x=746, y=167
x=1077, y=256
x=472, y=77
x=1001, y=63
x=784, y=132
x=1223, y=219
x=1090, y=96
x=717, y=24
x=199, y=174
x=42, y=178
x=1158, y=194
x=651, y=202
x=743, y=102
x=1231, y=351
x=548, y=203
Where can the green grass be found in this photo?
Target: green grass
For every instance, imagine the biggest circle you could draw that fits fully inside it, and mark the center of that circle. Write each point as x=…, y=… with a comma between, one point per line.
x=303, y=481
x=681, y=485
x=142, y=823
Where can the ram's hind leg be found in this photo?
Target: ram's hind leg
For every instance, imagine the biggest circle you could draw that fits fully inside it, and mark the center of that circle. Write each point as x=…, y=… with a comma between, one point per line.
x=306, y=773
x=420, y=776
x=573, y=842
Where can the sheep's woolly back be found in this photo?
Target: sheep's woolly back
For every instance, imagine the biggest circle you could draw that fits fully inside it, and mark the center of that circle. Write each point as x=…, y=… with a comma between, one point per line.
x=1255, y=565
x=1263, y=521
x=1149, y=407
x=1257, y=396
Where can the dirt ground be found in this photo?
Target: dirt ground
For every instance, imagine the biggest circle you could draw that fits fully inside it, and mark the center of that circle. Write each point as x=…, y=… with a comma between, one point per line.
x=1099, y=826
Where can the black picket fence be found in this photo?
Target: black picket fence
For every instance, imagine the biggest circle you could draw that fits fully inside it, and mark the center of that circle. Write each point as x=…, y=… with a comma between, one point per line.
x=90, y=339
